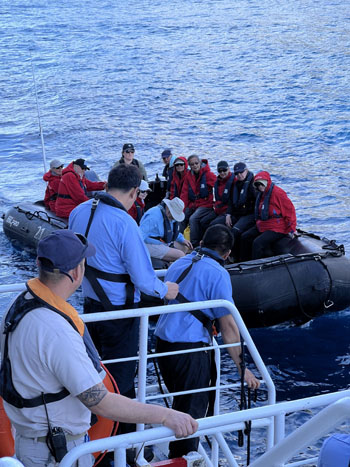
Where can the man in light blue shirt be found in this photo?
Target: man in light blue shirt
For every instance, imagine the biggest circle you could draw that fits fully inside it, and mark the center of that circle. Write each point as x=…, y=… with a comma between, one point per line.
x=118, y=272
x=160, y=230
x=206, y=279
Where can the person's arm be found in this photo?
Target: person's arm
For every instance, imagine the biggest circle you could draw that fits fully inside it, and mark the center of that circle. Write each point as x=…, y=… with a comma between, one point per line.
x=288, y=212
x=142, y=170
x=94, y=186
x=230, y=335
x=120, y=408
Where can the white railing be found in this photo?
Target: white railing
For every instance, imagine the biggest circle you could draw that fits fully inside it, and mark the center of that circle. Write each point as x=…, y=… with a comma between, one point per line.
x=313, y=429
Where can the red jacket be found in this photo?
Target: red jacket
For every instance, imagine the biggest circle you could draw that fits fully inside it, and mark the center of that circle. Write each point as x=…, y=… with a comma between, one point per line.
x=51, y=189
x=197, y=191
x=177, y=182
x=73, y=190
x=137, y=209
x=281, y=211
x=222, y=192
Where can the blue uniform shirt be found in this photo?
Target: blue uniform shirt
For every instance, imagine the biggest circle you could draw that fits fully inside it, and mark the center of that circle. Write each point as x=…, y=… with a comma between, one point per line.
x=152, y=225
x=119, y=250
x=207, y=280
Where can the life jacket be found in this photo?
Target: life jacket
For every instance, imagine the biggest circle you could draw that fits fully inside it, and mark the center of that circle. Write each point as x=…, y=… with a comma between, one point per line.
x=203, y=189
x=225, y=194
x=263, y=213
x=42, y=297
x=92, y=274
x=171, y=232
x=240, y=197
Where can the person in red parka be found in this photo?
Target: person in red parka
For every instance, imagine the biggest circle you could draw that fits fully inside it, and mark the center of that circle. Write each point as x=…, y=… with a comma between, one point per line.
x=197, y=194
x=222, y=191
x=137, y=210
x=52, y=177
x=73, y=188
x=178, y=178
x=274, y=216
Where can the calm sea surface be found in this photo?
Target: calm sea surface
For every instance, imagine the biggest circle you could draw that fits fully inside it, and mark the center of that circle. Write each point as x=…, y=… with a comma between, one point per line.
x=260, y=81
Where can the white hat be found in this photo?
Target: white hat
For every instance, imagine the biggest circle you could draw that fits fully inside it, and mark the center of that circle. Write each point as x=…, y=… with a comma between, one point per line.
x=144, y=186
x=176, y=207
x=55, y=164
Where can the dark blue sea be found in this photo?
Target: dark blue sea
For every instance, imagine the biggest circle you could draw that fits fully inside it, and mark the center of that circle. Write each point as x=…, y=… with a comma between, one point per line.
x=260, y=81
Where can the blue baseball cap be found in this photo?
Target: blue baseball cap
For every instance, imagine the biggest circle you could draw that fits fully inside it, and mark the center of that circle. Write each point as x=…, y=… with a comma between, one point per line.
x=65, y=250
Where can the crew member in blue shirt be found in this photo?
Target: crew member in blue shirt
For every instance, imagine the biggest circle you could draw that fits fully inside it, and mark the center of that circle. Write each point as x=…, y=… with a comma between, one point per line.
x=160, y=229
x=118, y=272
x=206, y=280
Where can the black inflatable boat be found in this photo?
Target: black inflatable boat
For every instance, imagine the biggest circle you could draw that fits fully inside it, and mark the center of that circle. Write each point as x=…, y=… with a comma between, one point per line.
x=304, y=277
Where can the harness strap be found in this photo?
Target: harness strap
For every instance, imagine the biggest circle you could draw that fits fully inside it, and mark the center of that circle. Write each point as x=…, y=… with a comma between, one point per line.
x=59, y=195
x=92, y=274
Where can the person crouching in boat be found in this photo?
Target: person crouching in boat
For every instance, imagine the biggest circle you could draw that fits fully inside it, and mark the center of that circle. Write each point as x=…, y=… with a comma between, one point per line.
x=137, y=210
x=160, y=230
x=197, y=194
x=275, y=219
x=51, y=376
x=128, y=153
x=52, y=177
x=178, y=177
x=73, y=188
x=240, y=211
x=201, y=276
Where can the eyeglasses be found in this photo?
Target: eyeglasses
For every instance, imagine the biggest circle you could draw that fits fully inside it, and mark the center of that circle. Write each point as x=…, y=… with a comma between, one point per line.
x=222, y=170
x=130, y=151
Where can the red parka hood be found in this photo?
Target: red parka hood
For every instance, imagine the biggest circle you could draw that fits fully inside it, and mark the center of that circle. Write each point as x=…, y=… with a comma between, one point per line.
x=69, y=168
x=183, y=159
x=263, y=175
x=49, y=176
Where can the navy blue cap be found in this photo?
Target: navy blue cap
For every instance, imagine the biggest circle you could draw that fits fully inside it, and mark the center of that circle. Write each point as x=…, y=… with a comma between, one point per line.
x=239, y=168
x=166, y=153
x=222, y=165
x=65, y=250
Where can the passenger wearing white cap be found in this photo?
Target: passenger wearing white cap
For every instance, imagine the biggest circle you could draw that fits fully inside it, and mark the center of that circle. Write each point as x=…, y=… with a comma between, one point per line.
x=52, y=177
x=138, y=208
x=160, y=230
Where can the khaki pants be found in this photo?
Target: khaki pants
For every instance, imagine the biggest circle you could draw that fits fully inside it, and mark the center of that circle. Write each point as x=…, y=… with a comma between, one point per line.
x=34, y=453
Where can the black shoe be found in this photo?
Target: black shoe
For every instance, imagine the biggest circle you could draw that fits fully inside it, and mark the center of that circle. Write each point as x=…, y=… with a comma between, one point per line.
x=131, y=454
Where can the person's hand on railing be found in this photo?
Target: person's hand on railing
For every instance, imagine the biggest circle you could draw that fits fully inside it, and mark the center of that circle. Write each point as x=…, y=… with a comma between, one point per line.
x=181, y=423
x=173, y=290
x=251, y=380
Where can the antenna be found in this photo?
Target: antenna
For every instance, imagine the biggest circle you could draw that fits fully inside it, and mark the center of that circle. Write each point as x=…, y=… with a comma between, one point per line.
x=38, y=110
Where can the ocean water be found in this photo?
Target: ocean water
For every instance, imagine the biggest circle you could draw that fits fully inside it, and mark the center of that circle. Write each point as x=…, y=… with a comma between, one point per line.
x=265, y=82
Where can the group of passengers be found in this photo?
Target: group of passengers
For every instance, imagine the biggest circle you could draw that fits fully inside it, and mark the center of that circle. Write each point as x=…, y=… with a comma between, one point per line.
x=258, y=212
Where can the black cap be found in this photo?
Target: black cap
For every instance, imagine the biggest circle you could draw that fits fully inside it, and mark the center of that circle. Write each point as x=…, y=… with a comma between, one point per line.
x=239, y=168
x=81, y=163
x=222, y=165
x=128, y=146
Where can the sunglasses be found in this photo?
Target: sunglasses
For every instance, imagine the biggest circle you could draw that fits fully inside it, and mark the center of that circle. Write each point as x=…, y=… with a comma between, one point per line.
x=257, y=184
x=143, y=191
x=60, y=167
x=222, y=171
x=179, y=164
x=130, y=151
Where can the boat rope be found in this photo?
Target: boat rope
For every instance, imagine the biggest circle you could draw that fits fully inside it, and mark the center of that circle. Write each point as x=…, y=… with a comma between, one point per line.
x=300, y=305
x=42, y=215
x=38, y=110
x=327, y=303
